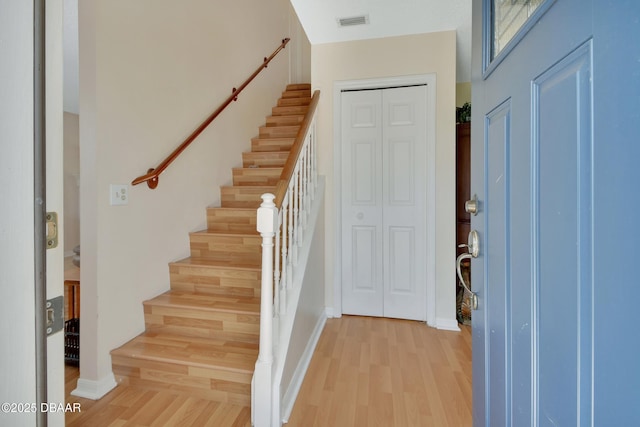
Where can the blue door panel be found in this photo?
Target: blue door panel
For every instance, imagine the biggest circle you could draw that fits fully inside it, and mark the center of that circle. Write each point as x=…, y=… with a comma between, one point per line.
x=562, y=224
x=497, y=295
x=616, y=156
x=556, y=169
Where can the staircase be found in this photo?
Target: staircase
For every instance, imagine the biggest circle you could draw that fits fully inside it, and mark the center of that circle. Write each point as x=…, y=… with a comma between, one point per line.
x=202, y=335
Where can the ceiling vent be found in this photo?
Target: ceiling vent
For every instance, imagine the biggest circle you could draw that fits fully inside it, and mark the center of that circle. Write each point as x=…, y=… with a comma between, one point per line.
x=353, y=20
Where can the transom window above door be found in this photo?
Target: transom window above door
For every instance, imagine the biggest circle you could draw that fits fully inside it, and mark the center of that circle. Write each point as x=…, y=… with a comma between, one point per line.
x=506, y=22
x=508, y=17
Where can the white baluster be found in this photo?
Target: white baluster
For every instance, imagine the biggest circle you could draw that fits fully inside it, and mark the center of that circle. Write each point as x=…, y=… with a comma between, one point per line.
x=290, y=231
x=276, y=268
x=284, y=212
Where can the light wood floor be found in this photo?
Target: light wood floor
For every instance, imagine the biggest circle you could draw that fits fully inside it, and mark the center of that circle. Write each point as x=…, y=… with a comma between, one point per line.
x=365, y=372
x=386, y=372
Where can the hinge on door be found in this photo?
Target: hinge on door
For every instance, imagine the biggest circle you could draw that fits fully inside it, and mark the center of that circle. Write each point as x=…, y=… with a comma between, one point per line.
x=53, y=315
x=52, y=230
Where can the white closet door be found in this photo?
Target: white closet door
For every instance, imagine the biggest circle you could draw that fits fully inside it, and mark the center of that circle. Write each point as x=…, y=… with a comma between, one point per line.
x=362, y=274
x=384, y=202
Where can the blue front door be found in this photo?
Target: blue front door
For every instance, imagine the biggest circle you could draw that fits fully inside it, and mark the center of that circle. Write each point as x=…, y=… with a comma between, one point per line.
x=555, y=149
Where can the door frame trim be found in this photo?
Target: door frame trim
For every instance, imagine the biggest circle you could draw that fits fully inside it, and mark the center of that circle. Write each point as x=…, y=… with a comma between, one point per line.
x=378, y=83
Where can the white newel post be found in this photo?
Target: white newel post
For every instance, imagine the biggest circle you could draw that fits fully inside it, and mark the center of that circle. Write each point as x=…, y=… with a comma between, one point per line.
x=266, y=225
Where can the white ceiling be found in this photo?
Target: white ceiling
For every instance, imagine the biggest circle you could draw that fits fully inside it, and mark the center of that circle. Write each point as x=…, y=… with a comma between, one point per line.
x=387, y=18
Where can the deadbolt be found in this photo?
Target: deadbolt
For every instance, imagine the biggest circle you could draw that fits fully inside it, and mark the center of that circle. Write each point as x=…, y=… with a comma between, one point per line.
x=471, y=206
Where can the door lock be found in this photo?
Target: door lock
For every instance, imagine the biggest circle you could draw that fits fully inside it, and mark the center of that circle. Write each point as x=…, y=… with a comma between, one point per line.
x=471, y=206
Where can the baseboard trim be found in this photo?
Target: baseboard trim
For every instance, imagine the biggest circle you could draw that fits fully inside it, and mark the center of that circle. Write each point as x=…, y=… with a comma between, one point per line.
x=447, y=324
x=289, y=398
x=331, y=314
x=94, y=390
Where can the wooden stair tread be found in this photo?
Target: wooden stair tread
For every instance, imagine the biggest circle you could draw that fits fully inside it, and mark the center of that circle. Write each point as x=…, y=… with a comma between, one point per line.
x=299, y=86
x=291, y=119
x=190, y=351
x=267, y=169
x=278, y=131
x=249, y=187
x=270, y=145
x=223, y=303
x=284, y=139
x=242, y=233
x=289, y=102
x=233, y=210
x=289, y=109
x=300, y=93
x=214, y=263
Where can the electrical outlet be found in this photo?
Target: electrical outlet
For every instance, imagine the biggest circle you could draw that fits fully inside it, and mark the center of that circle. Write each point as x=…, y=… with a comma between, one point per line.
x=119, y=194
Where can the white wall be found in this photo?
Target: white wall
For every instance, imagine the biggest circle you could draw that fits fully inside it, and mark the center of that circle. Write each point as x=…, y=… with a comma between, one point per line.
x=310, y=314
x=389, y=57
x=71, y=182
x=17, y=353
x=150, y=72
x=299, y=50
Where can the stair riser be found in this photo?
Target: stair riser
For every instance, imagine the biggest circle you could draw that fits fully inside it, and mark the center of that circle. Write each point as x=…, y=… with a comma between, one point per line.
x=202, y=323
x=232, y=221
x=288, y=102
x=271, y=144
x=264, y=159
x=299, y=86
x=245, y=249
x=256, y=176
x=216, y=281
x=279, y=131
x=212, y=384
x=297, y=93
x=285, y=120
x=289, y=110
x=243, y=197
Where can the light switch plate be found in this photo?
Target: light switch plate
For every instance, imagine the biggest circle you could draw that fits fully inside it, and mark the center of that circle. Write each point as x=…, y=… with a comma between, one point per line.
x=119, y=194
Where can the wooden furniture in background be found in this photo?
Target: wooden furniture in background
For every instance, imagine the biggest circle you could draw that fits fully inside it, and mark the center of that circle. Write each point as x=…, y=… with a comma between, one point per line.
x=463, y=183
x=71, y=292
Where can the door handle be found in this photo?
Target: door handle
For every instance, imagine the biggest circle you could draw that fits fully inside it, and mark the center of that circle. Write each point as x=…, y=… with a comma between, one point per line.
x=472, y=245
x=473, y=250
x=474, y=297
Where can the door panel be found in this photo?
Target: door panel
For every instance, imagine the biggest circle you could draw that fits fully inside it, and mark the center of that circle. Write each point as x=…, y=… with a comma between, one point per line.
x=365, y=279
x=364, y=185
x=361, y=200
x=401, y=173
x=562, y=198
x=404, y=148
x=532, y=171
x=401, y=261
x=384, y=202
x=498, y=124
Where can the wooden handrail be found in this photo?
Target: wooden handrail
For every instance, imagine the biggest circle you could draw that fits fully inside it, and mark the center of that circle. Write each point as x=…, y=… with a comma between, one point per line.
x=151, y=177
x=296, y=148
